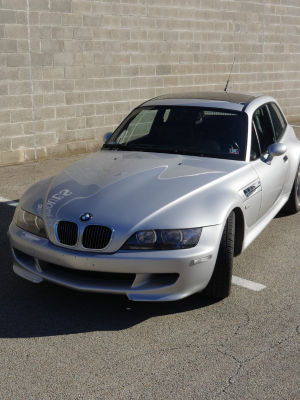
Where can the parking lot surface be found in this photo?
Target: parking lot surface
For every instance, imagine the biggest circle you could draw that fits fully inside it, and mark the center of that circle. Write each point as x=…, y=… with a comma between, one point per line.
x=57, y=343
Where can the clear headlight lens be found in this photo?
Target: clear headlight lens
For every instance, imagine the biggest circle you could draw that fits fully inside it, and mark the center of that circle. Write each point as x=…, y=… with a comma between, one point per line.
x=30, y=223
x=173, y=237
x=166, y=239
x=146, y=237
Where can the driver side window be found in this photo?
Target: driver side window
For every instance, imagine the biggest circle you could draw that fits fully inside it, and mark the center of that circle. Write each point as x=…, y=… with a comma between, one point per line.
x=263, y=125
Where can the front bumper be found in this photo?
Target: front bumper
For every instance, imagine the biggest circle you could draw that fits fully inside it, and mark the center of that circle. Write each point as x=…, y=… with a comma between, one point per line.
x=141, y=275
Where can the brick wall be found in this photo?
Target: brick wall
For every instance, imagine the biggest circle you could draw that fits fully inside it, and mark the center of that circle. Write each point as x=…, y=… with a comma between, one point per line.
x=71, y=70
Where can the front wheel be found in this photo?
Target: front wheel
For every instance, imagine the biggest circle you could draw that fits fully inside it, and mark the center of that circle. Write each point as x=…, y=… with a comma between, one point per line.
x=292, y=206
x=220, y=283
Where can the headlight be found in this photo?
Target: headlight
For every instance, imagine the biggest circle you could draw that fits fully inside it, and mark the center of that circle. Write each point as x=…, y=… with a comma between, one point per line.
x=173, y=237
x=30, y=223
x=170, y=239
x=146, y=237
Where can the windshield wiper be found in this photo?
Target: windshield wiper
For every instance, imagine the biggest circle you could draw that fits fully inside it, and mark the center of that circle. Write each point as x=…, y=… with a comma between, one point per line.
x=190, y=153
x=119, y=146
x=174, y=151
x=153, y=149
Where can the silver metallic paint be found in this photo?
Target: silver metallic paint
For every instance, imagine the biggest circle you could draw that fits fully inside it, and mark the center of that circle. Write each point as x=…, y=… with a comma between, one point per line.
x=131, y=191
x=145, y=264
x=195, y=103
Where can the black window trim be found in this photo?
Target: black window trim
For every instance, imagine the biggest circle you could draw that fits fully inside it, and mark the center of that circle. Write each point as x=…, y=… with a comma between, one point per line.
x=286, y=124
x=273, y=128
x=265, y=104
x=260, y=154
x=283, y=131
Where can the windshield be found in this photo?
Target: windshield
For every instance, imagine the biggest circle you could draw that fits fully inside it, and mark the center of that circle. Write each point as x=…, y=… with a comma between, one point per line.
x=206, y=132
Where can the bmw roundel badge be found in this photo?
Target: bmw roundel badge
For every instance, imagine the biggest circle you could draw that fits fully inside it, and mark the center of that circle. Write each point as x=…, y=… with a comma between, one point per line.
x=86, y=217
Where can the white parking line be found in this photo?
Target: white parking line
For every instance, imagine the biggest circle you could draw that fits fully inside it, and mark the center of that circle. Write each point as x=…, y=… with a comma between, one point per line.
x=11, y=203
x=247, y=284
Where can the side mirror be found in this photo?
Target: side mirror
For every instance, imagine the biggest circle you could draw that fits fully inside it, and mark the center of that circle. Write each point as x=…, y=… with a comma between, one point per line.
x=107, y=136
x=274, y=150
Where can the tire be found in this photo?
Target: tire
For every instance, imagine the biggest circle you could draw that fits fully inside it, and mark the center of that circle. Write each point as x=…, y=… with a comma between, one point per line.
x=220, y=283
x=292, y=206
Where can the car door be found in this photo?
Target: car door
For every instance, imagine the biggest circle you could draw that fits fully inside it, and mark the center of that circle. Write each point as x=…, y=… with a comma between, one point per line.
x=272, y=176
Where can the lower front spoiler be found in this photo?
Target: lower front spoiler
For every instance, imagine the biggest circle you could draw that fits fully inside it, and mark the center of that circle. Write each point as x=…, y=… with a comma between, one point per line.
x=101, y=282
x=143, y=277
x=138, y=287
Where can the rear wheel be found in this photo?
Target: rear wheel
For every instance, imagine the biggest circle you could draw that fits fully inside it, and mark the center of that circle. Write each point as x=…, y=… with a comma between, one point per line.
x=220, y=283
x=293, y=204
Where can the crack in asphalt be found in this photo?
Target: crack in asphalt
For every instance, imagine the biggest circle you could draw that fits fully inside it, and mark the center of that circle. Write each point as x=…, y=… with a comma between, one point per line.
x=195, y=325
x=186, y=346
x=230, y=379
x=197, y=346
x=244, y=325
x=242, y=362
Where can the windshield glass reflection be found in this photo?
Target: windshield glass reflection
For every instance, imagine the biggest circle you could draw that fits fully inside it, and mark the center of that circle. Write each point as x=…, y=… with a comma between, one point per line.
x=206, y=132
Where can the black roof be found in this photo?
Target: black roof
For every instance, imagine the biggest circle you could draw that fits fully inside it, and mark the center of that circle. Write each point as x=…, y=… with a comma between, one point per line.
x=237, y=98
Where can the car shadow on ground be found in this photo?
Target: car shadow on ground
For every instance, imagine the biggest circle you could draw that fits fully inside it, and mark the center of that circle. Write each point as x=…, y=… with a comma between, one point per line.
x=282, y=214
x=35, y=310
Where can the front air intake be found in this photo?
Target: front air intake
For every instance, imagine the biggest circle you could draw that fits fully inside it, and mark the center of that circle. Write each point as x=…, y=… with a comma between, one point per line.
x=67, y=233
x=96, y=237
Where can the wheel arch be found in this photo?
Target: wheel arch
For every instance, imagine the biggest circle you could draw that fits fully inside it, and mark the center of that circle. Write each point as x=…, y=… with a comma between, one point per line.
x=239, y=231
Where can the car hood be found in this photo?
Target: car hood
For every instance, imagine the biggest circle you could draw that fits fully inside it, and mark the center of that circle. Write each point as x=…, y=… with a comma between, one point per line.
x=129, y=191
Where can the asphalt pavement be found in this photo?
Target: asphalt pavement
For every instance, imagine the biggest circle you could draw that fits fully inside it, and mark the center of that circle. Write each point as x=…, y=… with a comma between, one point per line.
x=56, y=343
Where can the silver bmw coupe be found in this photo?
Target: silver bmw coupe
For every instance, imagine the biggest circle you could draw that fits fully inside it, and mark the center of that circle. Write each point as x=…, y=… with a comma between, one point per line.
x=184, y=184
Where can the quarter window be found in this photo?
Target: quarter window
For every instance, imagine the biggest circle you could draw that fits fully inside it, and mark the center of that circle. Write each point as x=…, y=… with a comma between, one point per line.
x=279, y=123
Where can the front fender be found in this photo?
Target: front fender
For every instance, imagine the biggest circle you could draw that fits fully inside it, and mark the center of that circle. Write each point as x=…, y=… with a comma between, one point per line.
x=35, y=196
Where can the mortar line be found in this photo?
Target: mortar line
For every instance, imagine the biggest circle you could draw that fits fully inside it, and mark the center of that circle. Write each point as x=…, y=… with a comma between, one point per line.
x=31, y=82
